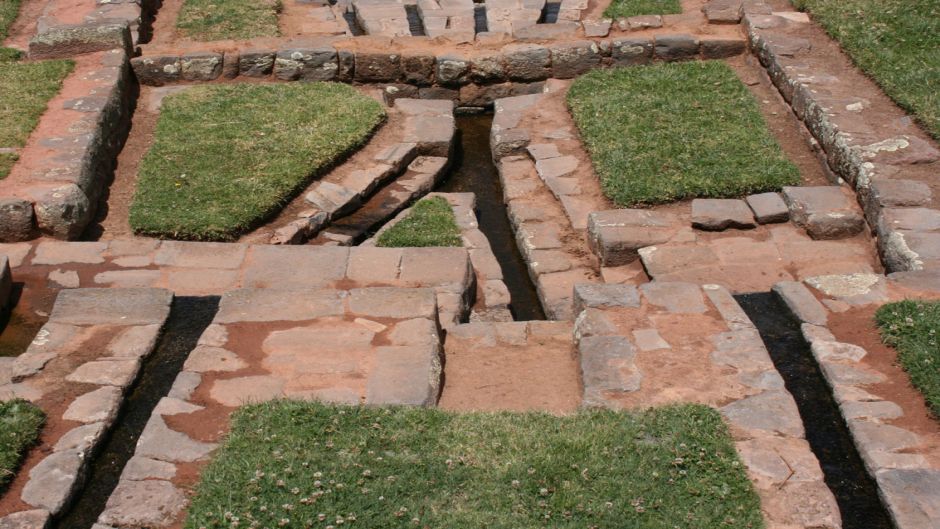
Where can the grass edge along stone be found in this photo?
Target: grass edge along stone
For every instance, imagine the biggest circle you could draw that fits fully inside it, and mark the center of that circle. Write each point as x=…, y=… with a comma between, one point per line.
x=226, y=157
x=912, y=327
x=895, y=42
x=25, y=91
x=630, y=8
x=208, y=20
x=307, y=464
x=9, y=10
x=431, y=222
x=672, y=131
x=20, y=424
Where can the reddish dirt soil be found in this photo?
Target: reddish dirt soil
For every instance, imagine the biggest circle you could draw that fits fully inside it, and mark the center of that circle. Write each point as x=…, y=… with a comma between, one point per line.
x=857, y=326
x=24, y=27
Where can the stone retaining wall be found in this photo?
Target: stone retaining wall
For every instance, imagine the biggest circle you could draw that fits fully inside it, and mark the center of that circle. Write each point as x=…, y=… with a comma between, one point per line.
x=68, y=28
x=519, y=62
x=55, y=187
x=895, y=457
x=868, y=141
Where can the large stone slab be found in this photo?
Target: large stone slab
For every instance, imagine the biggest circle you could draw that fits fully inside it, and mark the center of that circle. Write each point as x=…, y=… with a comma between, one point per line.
x=406, y=375
x=112, y=306
x=54, y=481
x=265, y=304
x=825, y=212
x=718, y=214
x=150, y=503
x=608, y=368
x=617, y=235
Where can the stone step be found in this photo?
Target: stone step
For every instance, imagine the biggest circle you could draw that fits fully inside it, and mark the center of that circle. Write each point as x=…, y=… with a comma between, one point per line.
x=511, y=366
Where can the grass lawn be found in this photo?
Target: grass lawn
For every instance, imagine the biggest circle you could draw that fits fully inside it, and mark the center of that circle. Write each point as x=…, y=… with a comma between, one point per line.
x=430, y=223
x=225, y=157
x=630, y=8
x=913, y=328
x=303, y=464
x=228, y=19
x=25, y=90
x=8, y=11
x=671, y=131
x=20, y=423
x=896, y=42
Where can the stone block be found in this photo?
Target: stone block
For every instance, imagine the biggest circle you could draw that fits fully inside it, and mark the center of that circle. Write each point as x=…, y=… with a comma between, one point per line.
x=16, y=220
x=71, y=40
x=572, y=59
x=418, y=68
x=884, y=193
x=268, y=304
x=111, y=372
x=768, y=208
x=452, y=69
x=608, y=367
x=527, y=62
x=306, y=64
x=825, y=212
x=631, y=51
x=389, y=302
x=100, y=405
x=772, y=411
x=112, y=306
x=616, y=235
x=723, y=11
x=676, y=47
x=409, y=375
x=603, y=296
x=802, y=302
x=149, y=503
x=912, y=496
x=256, y=63
x=377, y=67
x=32, y=519
x=157, y=70
x=596, y=28
x=487, y=68
x=61, y=212
x=675, y=297
x=54, y=480
x=719, y=48
x=200, y=66
x=718, y=214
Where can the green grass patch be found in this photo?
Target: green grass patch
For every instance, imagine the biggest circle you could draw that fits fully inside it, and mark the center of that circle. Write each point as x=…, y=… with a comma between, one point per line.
x=896, y=42
x=913, y=328
x=25, y=91
x=208, y=20
x=20, y=424
x=671, y=131
x=631, y=8
x=303, y=464
x=225, y=157
x=9, y=9
x=431, y=222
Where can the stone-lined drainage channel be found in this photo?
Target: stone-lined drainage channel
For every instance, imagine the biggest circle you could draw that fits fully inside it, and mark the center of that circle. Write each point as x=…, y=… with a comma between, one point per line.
x=189, y=317
x=826, y=431
x=473, y=171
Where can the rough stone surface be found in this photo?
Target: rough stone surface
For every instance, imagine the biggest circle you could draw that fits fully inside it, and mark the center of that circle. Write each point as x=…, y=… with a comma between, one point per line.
x=114, y=306
x=801, y=302
x=158, y=441
x=768, y=208
x=53, y=481
x=717, y=214
x=150, y=503
x=116, y=372
x=33, y=519
x=100, y=405
x=913, y=496
x=616, y=236
x=592, y=295
x=406, y=375
x=675, y=297
x=608, y=368
x=16, y=219
x=773, y=411
x=825, y=212
x=676, y=47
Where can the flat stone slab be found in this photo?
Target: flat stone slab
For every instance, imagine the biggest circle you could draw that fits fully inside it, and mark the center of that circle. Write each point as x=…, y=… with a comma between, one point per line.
x=616, y=236
x=773, y=411
x=801, y=301
x=608, y=366
x=53, y=481
x=253, y=304
x=825, y=212
x=675, y=297
x=151, y=503
x=768, y=208
x=913, y=496
x=719, y=214
x=100, y=405
x=593, y=295
x=112, y=306
x=34, y=519
x=116, y=372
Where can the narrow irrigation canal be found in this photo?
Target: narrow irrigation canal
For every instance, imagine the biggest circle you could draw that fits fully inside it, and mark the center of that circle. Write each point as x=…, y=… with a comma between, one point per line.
x=189, y=317
x=826, y=431
x=473, y=171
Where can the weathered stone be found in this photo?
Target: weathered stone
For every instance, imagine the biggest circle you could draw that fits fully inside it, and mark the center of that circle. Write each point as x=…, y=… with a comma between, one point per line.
x=676, y=47
x=62, y=212
x=649, y=340
x=16, y=220
x=728, y=307
x=452, y=69
x=71, y=40
x=59, y=252
x=801, y=302
x=267, y=304
x=723, y=11
x=773, y=411
x=201, y=66
x=187, y=254
x=33, y=519
x=112, y=306
x=6, y=282
x=608, y=368
x=307, y=64
x=140, y=468
x=879, y=410
x=742, y=349
x=594, y=322
x=204, y=359
x=825, y=212
x=838, y=373
x=386, y=302
x=616, y=235
x=876, y=437
x=377, y=67
x=135, y=342
x=832, y=350
x=592, y=295
x=100, y=405
x=596, y=28
x=230, y=60
x=242, y=390
x=54, y=481
x=149, y=503
x=111, y=372
x=527, y=62
x=912, y=496
x=855, y=289
x=884, y=193
x=255, y=63
x=84, y=438
x=418, y=69
x=157, y=70
x=631, y=51
x=487, y=68
x=904, y=250
x=406, y=375
x=768, y=208
x=917, y=280
x=719, y=48
x=675, y=297
x=160, y=442
x=186, y=382
x=717, y=214
x=51, y=340
x=572, y=59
